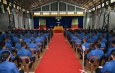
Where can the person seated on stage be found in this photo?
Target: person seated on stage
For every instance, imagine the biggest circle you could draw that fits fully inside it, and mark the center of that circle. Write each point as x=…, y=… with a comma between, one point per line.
x=25, y=52
x=58, y=25
x=6, y=66
x=109, y=67
x=95, y=52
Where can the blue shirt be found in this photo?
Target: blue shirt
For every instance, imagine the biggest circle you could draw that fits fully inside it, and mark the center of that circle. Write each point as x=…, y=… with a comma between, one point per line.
x=109, y=67
x=95, y=52
x=27, y=40
x=8, y=67
x=102, y=45
x=18, y=45
x=24, y=52
x=77, y=40
x=15, y=39
x=87, y=45
x=32, y=45
x=109, y=51
x=9, y=46
x=38, y=40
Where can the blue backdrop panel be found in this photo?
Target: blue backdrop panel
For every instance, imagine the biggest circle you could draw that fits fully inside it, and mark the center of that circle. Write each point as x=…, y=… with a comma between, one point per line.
x=66, y=21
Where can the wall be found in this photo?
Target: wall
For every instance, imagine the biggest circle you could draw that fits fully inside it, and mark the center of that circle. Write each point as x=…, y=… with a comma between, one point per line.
x=4, y=21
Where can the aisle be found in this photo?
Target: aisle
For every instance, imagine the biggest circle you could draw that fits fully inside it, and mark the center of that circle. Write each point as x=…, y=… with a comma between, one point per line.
x=59, y=58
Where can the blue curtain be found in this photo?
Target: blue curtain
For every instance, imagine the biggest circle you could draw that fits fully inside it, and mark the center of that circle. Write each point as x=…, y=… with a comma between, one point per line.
x=66, y=21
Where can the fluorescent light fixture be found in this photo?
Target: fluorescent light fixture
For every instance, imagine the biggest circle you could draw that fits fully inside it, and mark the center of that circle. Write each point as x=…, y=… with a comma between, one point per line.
x=107, y=2
x=79, y=12
x=23, y=10
x=112, y=1
x=37, y=13
x=54, y=13
x=89, y=10
x=46, y=13
x=10, y=4
x=62, y=12
x=103, y=5
x=99, y=6
x=0, y=0
x=5, y=1
x=93, y=8
x=17, y=7
x=70, y=13
x=14, y=5
x=27, y=11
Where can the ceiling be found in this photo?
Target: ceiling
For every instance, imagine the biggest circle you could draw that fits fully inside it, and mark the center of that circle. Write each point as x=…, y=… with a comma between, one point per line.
x=32, y=4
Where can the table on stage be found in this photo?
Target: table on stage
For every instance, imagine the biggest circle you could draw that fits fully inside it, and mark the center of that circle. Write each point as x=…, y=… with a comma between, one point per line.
x=58, y=29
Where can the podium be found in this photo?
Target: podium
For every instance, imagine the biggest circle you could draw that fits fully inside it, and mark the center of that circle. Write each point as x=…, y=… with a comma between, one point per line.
x=58, y=29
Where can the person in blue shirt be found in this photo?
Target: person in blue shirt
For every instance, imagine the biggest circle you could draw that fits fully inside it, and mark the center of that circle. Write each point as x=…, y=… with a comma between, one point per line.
x=25, y=52
x=109, y=50
x=3, y=48
x=109, y=67
x=27, y=40
x=6, y=66
x=18, y=45
x=8, y=45
x=96, y=52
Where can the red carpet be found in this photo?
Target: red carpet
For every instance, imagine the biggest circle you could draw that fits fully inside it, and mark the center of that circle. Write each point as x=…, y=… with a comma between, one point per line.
x=59, y=58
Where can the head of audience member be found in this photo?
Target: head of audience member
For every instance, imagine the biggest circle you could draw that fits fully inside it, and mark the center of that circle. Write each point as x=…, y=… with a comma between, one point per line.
x=113, y=44
x=5, y=56
x=113, y=55
x=5, y=40
x=97, y=45
x=32, y=40
x=2, y=45
x=99, y=40
x=84, y=40
x=24, y=45
x=21, y=40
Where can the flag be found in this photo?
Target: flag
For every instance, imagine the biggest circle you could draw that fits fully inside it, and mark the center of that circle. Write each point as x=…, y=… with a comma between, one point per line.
x=2, y=8
x=109, y=9
x=13, y=11
x=103, y=11
x=8, y=8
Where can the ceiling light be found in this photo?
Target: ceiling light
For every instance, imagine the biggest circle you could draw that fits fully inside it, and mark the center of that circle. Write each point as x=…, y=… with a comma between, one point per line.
x=79, y=12
x=54, y=13
x=46, y=13
x=70, y=12
x=62, y=12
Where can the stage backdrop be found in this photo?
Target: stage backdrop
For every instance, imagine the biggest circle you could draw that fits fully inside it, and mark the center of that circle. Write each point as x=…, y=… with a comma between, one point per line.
x=65, y=21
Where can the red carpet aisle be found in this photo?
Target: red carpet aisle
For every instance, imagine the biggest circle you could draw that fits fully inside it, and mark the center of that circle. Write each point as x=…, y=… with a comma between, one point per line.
x=59, y=58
